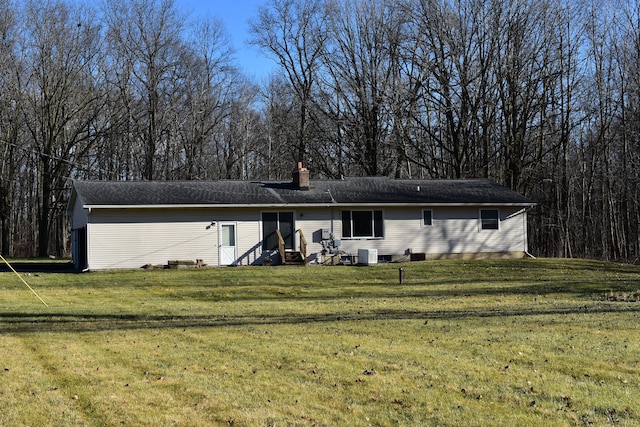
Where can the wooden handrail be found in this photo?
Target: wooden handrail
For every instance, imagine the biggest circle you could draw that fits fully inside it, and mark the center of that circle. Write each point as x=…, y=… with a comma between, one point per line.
x=281, y=247
x=303, y=246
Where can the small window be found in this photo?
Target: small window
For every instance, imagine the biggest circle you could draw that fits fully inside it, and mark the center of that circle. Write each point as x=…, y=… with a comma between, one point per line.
x=362, y=224
x=489, y=219
x=427, y=218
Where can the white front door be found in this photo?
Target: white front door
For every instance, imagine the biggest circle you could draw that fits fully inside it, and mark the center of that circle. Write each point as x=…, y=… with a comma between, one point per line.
x=227, y=244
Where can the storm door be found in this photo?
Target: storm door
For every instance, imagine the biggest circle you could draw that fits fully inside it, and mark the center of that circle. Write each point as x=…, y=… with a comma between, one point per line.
x=228, y=248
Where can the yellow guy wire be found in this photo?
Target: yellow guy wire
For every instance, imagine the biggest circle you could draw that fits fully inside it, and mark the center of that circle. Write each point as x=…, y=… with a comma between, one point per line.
x=23, y=281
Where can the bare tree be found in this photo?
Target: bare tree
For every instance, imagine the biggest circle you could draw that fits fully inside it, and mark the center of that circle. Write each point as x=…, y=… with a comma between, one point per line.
x=539, y=95
x=522, y=72
x=598, y=150
x=146, y=41
x=553, y=178
x=454, y=63
x=11, y=151
x=359, y=72
x=233, y=141
x=628, y=51
x=209, y=83
x=60, y=100
x=295, y=33
x=281, y=127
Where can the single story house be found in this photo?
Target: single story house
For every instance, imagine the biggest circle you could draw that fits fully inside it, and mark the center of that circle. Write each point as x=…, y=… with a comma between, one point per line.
x=133, y=224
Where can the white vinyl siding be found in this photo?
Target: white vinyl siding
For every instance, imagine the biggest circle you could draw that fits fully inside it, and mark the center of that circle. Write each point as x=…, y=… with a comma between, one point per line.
x=312, y=221
x=132, y=238
x=454, y=231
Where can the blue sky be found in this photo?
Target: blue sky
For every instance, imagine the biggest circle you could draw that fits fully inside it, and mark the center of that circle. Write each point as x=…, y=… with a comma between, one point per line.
x=235, y=14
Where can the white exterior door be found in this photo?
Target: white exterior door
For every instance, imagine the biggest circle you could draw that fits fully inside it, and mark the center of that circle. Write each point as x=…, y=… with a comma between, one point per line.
x=227, y=244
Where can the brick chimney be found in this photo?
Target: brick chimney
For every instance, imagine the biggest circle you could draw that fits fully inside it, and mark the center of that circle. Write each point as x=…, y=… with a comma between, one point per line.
x=300, y=177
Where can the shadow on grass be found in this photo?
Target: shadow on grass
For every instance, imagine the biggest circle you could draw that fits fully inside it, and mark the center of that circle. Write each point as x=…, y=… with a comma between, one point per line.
x=582, y=293
x=38, y=267
x=428, y=290
x=63, y=322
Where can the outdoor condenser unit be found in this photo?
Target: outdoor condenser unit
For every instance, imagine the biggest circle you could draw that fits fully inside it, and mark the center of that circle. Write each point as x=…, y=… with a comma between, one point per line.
x=367, y=256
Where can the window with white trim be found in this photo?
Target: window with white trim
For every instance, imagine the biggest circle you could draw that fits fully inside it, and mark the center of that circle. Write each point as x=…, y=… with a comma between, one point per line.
x=427, y=218
x=362, y=224
x=489, y=219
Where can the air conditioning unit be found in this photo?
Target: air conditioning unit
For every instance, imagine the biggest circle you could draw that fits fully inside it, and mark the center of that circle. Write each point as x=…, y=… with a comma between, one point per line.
x=367, y=256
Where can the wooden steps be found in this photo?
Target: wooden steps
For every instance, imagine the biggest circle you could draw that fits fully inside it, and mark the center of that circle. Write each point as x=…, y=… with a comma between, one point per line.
x=293, y=258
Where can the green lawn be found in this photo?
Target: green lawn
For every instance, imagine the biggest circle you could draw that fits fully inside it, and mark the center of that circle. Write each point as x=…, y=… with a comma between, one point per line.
x=510, y=343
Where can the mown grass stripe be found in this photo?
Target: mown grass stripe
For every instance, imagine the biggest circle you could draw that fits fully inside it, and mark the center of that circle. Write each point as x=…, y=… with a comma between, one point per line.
x=527, y=342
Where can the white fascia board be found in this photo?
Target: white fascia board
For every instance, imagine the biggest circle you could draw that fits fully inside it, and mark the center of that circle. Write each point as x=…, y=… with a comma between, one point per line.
x=470, y=205
x=195, y=206
x=306, y=205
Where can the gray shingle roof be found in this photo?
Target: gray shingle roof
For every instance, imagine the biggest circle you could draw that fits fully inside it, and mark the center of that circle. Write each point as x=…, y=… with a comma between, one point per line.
x=367, y=190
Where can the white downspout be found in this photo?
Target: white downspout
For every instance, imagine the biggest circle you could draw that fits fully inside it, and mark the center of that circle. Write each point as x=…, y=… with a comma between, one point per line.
x=526, y=234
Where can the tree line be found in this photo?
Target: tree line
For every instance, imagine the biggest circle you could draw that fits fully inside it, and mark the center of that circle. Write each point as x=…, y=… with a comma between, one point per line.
x=539, y=95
